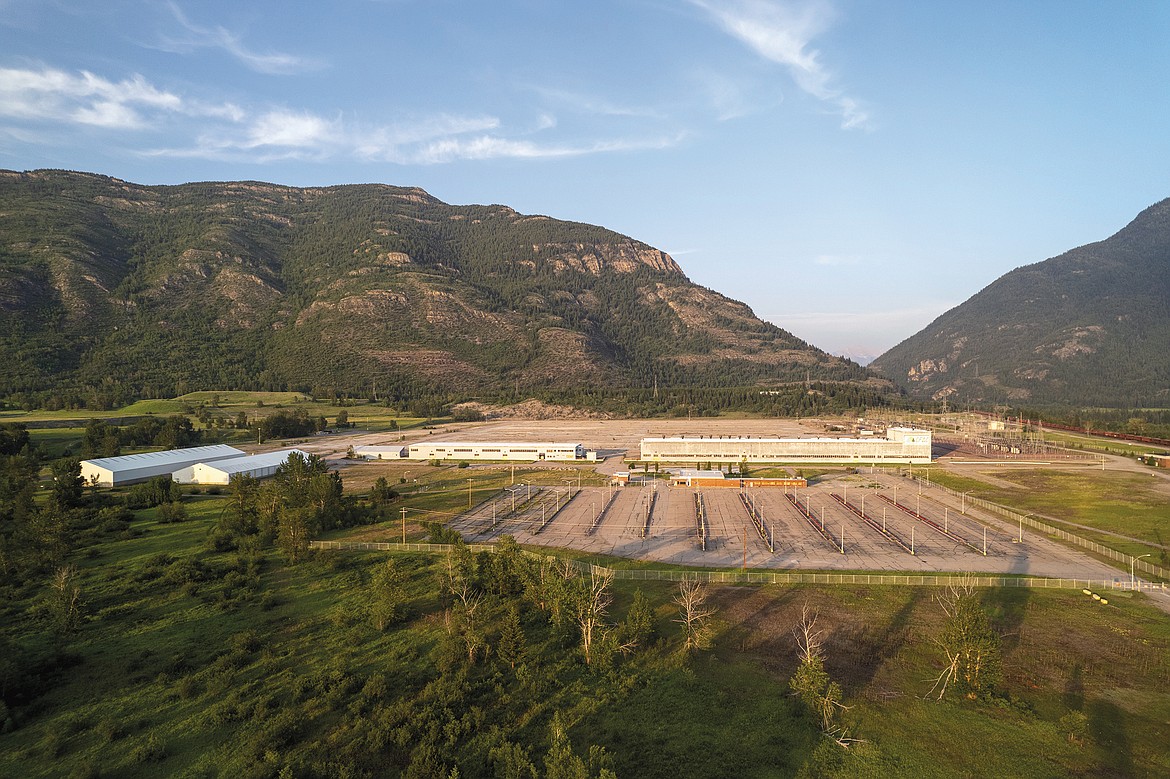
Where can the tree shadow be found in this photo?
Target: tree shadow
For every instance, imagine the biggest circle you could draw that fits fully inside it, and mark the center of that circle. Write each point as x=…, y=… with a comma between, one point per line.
x=1073, y=696
x=856, y=654
x=1108, y=731
x=1008, y=607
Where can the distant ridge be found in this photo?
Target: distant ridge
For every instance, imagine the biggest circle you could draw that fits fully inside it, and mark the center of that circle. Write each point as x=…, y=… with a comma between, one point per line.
x=1090, y=327
x=121, y=290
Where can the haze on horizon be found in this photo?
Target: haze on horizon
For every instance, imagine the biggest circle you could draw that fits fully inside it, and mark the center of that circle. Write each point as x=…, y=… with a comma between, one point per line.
x=851, y=170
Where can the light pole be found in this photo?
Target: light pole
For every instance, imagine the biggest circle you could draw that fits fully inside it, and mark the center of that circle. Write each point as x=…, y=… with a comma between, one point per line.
x=1020, y=540
x=1132, y=561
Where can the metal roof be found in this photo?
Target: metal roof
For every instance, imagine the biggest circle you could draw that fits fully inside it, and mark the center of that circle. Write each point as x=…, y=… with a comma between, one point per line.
x=251, y=462
x=186, y=456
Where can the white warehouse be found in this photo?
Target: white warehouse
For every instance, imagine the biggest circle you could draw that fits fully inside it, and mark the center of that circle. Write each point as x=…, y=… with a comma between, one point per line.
x=220, y=472
x=132, y=468
x=513, y=452
x=380, y=452
x=900, y=445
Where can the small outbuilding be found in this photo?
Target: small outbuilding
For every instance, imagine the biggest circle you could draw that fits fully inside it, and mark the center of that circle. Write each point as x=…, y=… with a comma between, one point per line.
x=133, y=468
x=258, y=466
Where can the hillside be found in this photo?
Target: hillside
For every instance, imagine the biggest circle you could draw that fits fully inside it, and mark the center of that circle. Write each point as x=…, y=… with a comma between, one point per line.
x=1090, y=327
x=112, y=290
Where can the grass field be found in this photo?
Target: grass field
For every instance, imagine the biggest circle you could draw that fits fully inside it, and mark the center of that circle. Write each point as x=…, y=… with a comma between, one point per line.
x=1120, y=502
x=361, y=414
x=197, y=663
x=173, y=676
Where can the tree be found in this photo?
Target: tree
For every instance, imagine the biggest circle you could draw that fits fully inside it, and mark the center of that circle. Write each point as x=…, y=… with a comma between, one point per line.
x=638, y=627
x=590, y=608
x=811, y=682
x=382, y=493
x=68, y=485
x=510, y=761
x=387, y=595
x=971, y=647
x=241, y=515
x=65, y=599
x=512, y=644
x=694, y=614
x=297, y=526
x=172, y=512
x=560, y=762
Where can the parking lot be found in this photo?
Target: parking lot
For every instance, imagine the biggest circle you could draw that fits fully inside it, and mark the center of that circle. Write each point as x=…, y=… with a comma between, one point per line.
x=905, y=528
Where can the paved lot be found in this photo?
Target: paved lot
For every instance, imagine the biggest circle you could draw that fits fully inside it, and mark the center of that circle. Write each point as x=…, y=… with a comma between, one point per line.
x=672, y=534
x=669, y=533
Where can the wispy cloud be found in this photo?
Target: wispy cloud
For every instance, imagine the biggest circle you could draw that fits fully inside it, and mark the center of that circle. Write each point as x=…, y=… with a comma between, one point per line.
x=427, y=140
x=594, y=105
x=487, y=147
x=783, y=33
x=33, y=98
x=199, y=37
x=84, y=98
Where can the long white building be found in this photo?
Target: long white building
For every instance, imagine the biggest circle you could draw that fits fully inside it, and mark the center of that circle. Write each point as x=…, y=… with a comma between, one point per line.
x=381, y=452
x=512, y=452
x=900, y=445
x=221, y=472
x=131, y=468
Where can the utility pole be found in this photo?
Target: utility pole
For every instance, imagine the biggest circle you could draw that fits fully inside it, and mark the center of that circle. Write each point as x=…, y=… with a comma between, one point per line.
x=404, y=524
x=745, y=547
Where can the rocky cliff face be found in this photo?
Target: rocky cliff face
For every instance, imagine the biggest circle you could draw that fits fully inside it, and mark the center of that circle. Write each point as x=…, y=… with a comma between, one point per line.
x=245, y=284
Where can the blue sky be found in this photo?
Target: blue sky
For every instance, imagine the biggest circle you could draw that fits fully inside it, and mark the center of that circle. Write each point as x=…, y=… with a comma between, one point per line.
x=850, y=169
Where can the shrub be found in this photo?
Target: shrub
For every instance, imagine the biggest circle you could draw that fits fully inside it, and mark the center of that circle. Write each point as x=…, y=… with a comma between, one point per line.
x=151, y=750
x=110, y=729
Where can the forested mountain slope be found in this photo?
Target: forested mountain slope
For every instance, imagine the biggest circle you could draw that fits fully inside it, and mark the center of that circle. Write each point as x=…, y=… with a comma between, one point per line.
x=1090, y=327
x=114, y=290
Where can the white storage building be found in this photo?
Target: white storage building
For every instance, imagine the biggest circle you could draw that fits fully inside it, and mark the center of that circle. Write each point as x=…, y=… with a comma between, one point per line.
x=381, y=452
x=515, y=451
x=132, y=468
x=220, y=472
x=900, y=445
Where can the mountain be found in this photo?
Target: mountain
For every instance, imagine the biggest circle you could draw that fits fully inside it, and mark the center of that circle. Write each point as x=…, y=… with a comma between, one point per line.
x=113, y=289
x=1090, y=327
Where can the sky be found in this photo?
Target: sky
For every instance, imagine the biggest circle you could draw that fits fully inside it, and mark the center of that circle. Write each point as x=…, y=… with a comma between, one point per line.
x=851, y=169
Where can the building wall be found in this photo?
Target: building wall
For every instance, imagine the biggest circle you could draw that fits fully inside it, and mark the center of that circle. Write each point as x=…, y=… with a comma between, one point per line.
x=258, y=466
x=521, y=452
x=908, y=447
x=381, y=452
x=133, y=468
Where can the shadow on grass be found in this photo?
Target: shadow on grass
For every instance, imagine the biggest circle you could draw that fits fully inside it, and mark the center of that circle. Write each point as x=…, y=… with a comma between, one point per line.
x=1008, y=607
x=861, y=653
x=1107, y=728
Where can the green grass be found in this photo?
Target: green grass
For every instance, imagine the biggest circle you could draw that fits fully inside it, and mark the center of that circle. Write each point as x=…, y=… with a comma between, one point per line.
x=237, y=673
x=57, y=441
x=361, y=414
x=209, y=680
x=1115, y=501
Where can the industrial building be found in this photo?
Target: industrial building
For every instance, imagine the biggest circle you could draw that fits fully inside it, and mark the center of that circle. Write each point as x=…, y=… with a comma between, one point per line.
x=900, y=445
x=381, y=452
x=220, y=472
x=688, y=477
x=132, y=468
x=512, y=452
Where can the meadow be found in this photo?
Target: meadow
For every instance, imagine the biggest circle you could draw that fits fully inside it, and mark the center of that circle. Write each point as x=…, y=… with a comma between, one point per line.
x=197, y=662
